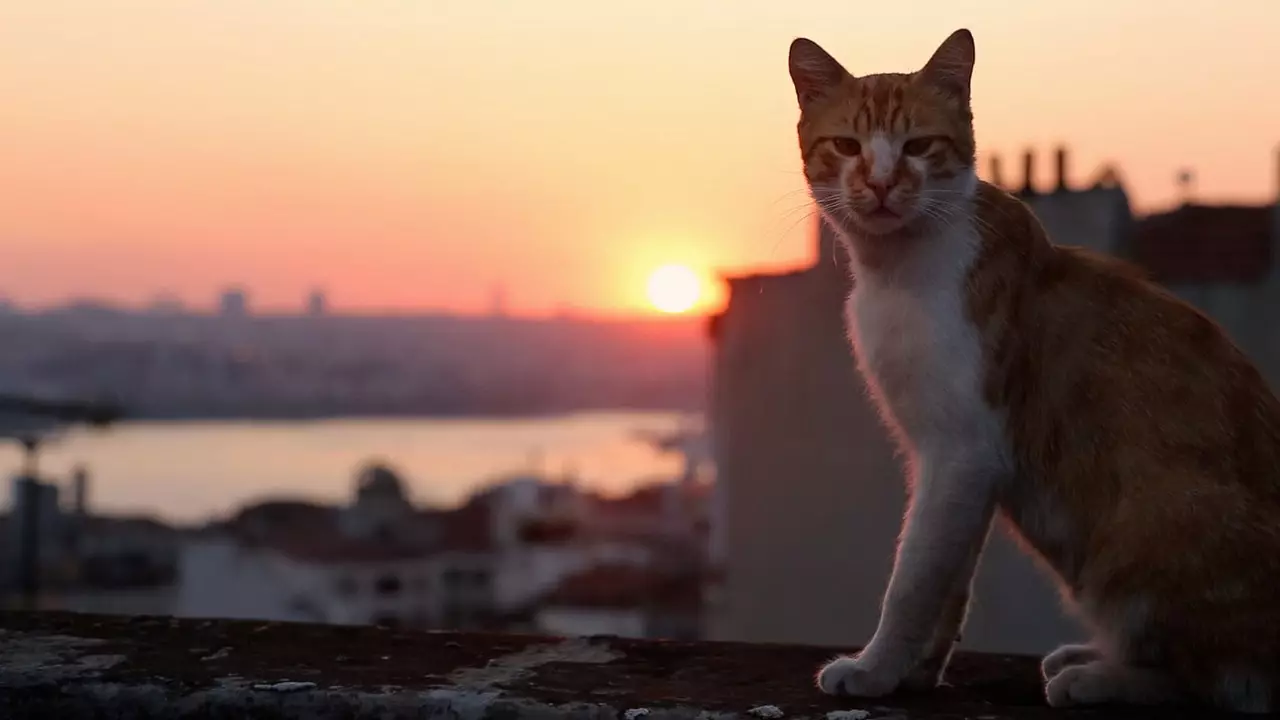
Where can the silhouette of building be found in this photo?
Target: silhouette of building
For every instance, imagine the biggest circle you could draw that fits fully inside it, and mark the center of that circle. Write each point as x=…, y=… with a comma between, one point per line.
x=166, y=303
x=234, y=302
x=809, y=493
x=317, y=303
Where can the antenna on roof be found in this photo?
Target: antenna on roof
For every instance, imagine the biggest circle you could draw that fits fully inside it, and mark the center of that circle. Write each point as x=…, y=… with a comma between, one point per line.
x=1186, y=184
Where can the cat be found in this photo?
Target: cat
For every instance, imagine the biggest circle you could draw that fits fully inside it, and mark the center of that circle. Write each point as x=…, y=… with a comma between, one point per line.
x=1128, y=445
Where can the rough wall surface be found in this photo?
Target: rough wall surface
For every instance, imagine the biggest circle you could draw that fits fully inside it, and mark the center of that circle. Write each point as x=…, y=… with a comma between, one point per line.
x=64, y=666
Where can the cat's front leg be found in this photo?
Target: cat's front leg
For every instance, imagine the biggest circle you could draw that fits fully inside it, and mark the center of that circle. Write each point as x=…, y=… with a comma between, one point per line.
x=928, y=672
x=946, y=524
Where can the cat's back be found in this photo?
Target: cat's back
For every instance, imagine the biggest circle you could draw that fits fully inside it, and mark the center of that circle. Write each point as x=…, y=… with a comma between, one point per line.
x=1116, y=352
x=1146, y=440
x=1119, y=359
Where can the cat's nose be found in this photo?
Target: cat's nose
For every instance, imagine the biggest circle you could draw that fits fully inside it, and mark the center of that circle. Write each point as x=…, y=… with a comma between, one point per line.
x=880, y=189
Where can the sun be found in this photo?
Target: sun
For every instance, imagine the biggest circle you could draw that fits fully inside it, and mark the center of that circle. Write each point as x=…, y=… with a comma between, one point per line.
x=674, y=288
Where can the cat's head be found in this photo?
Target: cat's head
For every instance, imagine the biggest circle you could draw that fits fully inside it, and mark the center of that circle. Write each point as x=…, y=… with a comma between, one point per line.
x=885, y=151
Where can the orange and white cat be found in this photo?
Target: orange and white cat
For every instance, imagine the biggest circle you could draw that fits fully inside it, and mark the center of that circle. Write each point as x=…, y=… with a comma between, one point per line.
x=1127, y=443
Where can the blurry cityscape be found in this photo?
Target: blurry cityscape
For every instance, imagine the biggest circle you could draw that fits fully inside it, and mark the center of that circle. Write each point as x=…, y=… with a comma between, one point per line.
x=524, y=552
x=168, y=362
x=779, y=525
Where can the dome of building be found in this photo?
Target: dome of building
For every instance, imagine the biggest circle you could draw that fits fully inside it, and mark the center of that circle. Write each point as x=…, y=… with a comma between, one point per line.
x=378, y=480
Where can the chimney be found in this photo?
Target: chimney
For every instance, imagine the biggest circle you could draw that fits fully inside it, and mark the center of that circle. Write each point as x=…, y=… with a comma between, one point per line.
x=1028, y=173
x=80, y=491
x=995, y=172
x=1061, y=169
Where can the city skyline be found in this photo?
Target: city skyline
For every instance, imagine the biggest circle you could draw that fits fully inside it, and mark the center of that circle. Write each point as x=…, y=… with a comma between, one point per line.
x=412, y=156
x=238, y=300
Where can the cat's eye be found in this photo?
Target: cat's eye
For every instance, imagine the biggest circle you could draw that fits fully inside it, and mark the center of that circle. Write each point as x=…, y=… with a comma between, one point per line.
x=847, y=146
x=917, y=146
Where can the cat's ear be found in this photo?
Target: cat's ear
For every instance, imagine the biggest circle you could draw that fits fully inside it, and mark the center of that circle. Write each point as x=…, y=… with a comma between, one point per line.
x=951, y=67
x=813, y=71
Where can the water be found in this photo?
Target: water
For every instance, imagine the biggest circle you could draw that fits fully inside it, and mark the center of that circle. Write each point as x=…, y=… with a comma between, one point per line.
x=190, y=471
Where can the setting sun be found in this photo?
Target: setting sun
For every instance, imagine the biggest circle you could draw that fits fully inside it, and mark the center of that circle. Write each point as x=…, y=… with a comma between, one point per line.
x=674, y=288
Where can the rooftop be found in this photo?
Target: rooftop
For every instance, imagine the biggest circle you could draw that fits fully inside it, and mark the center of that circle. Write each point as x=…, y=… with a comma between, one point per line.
x=83, y=666
x=312, y=533
x=1206, y=243
x=626, y=587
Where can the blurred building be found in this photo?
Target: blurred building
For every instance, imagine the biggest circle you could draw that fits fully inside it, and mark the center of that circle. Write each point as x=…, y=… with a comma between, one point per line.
x=491, y=563
x=84, y=562
x=376, y=561
x=234, y=302
x=809, y=493
x=317, y=303
x=35, y=551
x=123, y=566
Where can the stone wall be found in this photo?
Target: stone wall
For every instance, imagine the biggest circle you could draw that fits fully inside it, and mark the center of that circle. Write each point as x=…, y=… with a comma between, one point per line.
x=71, y=667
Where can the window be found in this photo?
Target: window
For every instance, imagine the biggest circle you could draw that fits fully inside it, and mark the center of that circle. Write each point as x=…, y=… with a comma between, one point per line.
x=346, y=586
x=459, y=579
x=418, y=584
x=387, y=621
x=387, y=585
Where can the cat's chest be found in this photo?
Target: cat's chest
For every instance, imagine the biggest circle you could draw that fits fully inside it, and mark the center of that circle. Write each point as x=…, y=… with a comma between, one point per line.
x=917, y=347
x=907, y=339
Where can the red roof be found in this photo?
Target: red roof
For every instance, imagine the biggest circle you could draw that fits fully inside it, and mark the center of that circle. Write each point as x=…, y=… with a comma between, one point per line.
x=468, y=528
x=331, y=548
x=647, y=500
x=1206, y=244
x=313, y=534
x=627, y=586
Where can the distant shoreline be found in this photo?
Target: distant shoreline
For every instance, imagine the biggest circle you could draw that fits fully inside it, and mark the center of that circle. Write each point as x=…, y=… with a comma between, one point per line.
x=179, y=418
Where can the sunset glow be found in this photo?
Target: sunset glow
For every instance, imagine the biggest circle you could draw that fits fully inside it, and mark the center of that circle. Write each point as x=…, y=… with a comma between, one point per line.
x=415, y=155
x=674, y=288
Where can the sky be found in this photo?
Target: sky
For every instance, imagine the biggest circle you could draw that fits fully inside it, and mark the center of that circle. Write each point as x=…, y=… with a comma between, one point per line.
x=417, y=154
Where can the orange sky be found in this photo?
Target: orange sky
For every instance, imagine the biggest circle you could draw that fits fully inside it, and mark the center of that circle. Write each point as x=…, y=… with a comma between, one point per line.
x=414, y=153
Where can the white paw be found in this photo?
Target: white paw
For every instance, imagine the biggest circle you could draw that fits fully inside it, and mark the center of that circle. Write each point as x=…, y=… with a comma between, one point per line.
x=850, y=676
x=1102, y=682
x=1065, y=657
x=1089, y=684
x=1067, y=686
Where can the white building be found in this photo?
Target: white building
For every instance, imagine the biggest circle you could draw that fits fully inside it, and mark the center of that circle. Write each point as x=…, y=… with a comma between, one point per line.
x=381, y=560
x=358, y=584
x=377, y=561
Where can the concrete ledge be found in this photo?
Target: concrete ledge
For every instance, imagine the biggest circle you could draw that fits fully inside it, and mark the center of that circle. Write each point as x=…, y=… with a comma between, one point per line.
x=56, y=665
